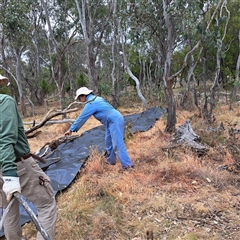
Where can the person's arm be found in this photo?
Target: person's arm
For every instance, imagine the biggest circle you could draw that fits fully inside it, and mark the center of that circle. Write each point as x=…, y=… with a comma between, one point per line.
x=87, y=112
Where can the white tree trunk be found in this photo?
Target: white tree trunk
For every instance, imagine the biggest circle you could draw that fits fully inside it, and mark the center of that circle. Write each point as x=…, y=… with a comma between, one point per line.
x=129, y=70
x=215, y=85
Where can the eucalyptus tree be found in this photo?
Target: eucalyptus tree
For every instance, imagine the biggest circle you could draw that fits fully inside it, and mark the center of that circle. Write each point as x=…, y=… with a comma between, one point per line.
x=218, y=9
x=37, y=55
x=230, y=44
x=128, y=70
x=231, y=63
x=165, y=28
x=212, y=51
x=94, y=18
x=61, y=32
x=136, y=22
x=167, y=22
x=223, y=17
x=196, y=35
x=114, y=42
x=236, y=86
x=14, y=21
x=155, y=27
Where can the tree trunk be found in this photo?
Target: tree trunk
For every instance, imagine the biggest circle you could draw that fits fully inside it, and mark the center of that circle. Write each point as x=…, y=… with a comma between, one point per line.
x=115, y=100
x=236, y=86
x=19, y=82
x=168, y=81
x=171, y=109
x=88, y=37
x=205, y=109
x=129, y=70
x=219, y=43
x=190, y=75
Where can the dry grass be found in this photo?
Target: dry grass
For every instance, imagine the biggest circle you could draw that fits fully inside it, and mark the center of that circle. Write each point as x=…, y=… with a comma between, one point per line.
x=170, y=194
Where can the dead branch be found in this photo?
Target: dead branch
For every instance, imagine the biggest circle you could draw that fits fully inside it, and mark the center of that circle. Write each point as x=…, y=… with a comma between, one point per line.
x=51, y=146
x=34, y=134
x=171, y=146
x=49, y=116
x=75, y=102
x=50, y=122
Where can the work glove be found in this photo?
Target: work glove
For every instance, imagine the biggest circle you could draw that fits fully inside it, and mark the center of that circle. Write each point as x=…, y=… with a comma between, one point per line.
x=10, y=186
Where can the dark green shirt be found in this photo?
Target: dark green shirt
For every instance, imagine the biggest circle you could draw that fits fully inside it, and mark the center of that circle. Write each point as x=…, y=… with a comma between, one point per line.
x=13, y=141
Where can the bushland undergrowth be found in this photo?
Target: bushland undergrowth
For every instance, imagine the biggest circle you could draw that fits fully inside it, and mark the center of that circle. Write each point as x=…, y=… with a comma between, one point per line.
x=171, y=193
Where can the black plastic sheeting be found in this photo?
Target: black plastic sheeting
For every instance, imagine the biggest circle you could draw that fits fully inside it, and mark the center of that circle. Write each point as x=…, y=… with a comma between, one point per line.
x=63, y=164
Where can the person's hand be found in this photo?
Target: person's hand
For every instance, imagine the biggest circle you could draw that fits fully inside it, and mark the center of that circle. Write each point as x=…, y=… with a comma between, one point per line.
x=10, y=186
x=68, y=133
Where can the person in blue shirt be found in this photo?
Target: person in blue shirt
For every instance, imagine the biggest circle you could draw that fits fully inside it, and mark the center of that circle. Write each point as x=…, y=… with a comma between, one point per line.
x=108, y=116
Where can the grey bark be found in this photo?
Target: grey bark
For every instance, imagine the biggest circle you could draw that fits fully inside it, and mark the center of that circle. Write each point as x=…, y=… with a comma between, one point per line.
x=88, y=34
x=18, y=53
x=167, y=79
x=236, y=87
x=128, y=70
x=113, y=72
x=185, y=135
x=215, y=85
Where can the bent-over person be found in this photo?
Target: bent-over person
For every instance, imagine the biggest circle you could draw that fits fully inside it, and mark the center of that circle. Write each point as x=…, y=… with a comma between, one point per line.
x=108, y=116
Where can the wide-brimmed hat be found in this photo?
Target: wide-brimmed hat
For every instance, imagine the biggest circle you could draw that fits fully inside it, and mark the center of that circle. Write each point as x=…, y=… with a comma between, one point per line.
x=3, y=80
x=82, y=91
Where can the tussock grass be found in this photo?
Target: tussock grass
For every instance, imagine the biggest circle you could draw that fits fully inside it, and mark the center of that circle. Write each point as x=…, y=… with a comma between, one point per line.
x=170, y=194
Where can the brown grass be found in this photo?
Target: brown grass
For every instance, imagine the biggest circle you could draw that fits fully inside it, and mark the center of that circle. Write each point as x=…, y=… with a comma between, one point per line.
x=171, y=193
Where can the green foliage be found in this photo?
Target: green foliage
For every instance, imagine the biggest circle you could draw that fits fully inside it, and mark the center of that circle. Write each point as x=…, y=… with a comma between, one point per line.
x=45, y=87
x=230, y=42
x=104, y=88
x=5, y=90
x=54, y=59
x=161, y=96
x=64, y=65
x=81, y=80
x=15, y=21
x=67, y=87
x=229, y=83
x=212, y=138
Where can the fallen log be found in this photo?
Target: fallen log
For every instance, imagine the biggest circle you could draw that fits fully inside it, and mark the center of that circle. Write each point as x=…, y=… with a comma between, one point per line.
x=185, y=135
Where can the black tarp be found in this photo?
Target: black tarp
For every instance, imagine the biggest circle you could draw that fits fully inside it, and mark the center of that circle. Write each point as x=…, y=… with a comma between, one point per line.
x=64, y=163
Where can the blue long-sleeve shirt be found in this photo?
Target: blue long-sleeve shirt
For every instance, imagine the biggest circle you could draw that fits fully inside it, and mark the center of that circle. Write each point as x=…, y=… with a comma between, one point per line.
x=99, y=108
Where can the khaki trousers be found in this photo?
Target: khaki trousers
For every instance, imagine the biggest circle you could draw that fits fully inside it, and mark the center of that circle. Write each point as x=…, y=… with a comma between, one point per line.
x=42, y=196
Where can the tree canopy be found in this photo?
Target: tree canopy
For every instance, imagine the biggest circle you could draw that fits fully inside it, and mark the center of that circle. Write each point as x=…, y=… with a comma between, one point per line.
x=50, y=48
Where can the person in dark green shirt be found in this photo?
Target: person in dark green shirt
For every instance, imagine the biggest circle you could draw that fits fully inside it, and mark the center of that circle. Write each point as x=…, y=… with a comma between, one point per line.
x=21, y=173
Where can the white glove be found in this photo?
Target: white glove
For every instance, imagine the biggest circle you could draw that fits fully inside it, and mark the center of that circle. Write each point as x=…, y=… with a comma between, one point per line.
x=10, y=186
